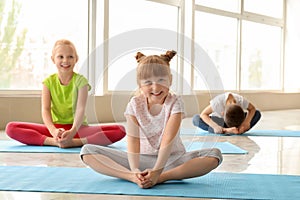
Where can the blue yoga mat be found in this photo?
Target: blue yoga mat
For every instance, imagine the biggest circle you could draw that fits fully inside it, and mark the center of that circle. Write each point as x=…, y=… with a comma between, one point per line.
x=17, y=147
x=212, y=185
x=267, y=133
x=225, y=147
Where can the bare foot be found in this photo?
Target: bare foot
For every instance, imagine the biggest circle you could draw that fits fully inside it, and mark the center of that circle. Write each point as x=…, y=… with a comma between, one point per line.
x=140, y=180
x=50, y=141
x=75, y=142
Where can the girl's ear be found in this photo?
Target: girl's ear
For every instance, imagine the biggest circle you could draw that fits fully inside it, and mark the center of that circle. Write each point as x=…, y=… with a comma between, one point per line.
x=52, y=59
x=169, y=55
x=139, y=56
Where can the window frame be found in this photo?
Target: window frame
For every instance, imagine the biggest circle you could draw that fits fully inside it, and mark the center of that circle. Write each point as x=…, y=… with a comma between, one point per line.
x=180, y=29
x=186, y=12
x=253, y=17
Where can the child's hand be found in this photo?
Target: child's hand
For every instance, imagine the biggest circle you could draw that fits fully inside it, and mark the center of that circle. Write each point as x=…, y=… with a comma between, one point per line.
x=140, y=180
x=56, y=133
x=151, y=176
x=218, y=129
x=65, y=137
x=231, y=130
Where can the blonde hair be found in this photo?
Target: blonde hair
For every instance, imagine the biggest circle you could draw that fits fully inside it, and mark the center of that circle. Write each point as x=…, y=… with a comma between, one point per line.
x=62, y=42
x=153, y=65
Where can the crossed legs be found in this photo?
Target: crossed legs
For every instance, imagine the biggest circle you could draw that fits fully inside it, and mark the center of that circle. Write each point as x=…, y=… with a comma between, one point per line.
x=115, y=164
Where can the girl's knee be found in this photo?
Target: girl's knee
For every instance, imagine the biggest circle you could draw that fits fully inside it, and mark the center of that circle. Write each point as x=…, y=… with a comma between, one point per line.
x=10, y=129
x=85, y=152
x=218, y=155
x=85, y=149
x=120, y=134
x=86, y=158
x=213, y=161
x=120, y=130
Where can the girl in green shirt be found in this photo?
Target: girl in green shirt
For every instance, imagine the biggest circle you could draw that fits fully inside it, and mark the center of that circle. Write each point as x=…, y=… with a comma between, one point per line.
x=64, y=98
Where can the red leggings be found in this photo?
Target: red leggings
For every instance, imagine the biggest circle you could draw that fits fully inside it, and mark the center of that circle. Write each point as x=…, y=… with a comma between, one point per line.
x=35, y=134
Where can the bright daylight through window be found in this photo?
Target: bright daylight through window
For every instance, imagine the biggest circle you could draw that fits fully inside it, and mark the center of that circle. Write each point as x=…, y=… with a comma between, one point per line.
x=244, y=42
x=28, y=33
x=243, y=38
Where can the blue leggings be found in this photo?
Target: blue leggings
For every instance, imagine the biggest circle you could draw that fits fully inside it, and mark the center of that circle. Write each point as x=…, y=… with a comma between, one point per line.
x=197, y=121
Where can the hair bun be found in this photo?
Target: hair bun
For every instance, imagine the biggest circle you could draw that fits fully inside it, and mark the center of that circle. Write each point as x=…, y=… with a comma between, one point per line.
x=139, y=56
x=169, y=55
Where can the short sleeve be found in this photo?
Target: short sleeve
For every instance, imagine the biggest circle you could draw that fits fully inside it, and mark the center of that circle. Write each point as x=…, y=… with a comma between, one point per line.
x=218, y=104
x=81, y=81
x=46, y=82
x=50, y=79
x=178, y=106
x=242, y=101
x=130, y=109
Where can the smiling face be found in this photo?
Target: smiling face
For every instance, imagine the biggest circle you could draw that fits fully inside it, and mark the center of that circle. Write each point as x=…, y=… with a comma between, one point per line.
x=155, y=89
x=154, y=79
x=65, y=58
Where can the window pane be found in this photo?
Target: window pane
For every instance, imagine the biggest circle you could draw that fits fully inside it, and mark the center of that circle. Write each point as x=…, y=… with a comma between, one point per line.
x=272, y=8
x=260, y=68
x=126, y=16
x=42, y=22
x=217, y=35
x=228, y=5
x=292, y=48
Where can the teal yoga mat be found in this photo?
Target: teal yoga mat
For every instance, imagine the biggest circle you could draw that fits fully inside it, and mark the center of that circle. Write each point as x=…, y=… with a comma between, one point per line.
x=225, y=147
x=213, y=185
x=266, y=133
x=17, y=147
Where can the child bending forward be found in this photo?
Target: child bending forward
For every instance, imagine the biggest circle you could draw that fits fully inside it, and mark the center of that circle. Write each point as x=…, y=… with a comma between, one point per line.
x=155, y=151
x=226, y=115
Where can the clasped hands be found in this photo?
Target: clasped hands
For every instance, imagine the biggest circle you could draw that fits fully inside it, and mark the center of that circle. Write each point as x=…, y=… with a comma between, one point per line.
x=62, y=136
x=147, y=178
x=232, y=130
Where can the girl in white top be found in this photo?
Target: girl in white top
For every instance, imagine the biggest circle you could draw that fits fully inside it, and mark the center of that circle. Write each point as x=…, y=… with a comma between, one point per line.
x=155, y=151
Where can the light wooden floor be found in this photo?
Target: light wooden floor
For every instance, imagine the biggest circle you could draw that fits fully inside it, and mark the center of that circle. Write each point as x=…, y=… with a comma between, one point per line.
x=267, y=155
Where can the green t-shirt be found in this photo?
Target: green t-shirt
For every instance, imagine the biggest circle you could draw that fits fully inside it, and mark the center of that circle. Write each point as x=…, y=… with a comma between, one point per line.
x=64, y=97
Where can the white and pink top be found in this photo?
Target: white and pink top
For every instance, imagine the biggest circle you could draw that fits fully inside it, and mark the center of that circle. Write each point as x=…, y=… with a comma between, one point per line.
x=151, y=127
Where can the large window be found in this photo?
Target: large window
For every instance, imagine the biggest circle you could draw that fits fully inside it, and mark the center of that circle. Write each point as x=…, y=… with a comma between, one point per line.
x=142, y=27
x=272, y=8
x=228, y=5
x=217, y=35
x=261, y=57
x=244, y=41
x=28, y=30
x=292, y=47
